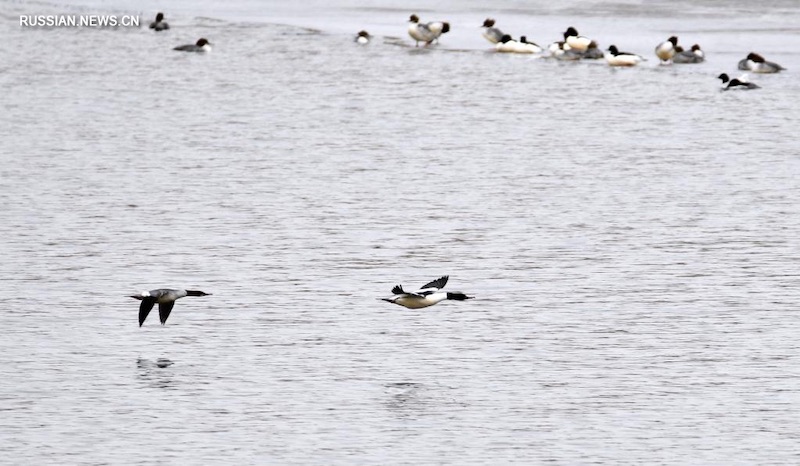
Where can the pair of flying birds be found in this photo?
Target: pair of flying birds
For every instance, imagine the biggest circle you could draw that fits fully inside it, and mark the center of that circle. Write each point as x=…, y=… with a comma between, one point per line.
x=428, y=295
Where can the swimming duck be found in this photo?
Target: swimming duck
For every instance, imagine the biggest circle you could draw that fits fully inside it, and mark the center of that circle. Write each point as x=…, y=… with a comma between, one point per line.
x=697, y=51
x=159, y=24
x=616, y=58
x=426, y=296
x=491, y=33
x=736, y=83
x=757, y=64
x=686, y=56
x=509, y=45
x=561, y=51
x=593, y=52
x=363, y=37
x=506, y=44
x=202, y=45
x=575, y=41
x=528, y=47
x=166, y=300
x=428, y=32
x=666, y=50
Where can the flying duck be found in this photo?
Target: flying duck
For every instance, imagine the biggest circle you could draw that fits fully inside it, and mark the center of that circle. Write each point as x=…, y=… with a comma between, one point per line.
x=426, y=296
x=166, y=300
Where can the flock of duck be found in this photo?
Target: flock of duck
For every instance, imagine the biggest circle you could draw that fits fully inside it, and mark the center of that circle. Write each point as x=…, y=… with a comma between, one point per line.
x=573, y=47
x=429, y=294
x=577, y=47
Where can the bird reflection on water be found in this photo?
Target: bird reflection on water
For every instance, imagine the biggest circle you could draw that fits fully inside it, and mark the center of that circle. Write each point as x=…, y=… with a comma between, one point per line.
x=411, y=400
x=153, y=373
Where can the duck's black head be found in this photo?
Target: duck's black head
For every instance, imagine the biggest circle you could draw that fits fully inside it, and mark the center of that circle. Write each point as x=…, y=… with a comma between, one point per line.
x=413, y=19
x=458, y=296
x=571, y=31
x=724, y=77
x=445, y=27
x=159, y=17
x=755, y=57
x=613, y=49
x=363, y=34
x=488, y=22
x=674, y=40
x=202, y=42
x=197, y=293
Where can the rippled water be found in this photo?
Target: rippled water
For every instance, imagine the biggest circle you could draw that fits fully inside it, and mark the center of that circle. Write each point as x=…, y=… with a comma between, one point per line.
x=631, y=237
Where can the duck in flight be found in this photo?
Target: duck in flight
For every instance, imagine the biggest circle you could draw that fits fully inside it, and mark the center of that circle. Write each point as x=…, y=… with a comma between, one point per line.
x=166, y=300
x=428, y=295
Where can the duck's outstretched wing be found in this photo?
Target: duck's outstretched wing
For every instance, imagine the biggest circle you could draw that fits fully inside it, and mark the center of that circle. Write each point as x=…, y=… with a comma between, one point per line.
x=398, y=290
x=439, y=283
x=163, y=311
x=144, y=308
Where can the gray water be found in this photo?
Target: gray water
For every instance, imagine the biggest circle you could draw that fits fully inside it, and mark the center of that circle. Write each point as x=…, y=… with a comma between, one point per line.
x=631, y=237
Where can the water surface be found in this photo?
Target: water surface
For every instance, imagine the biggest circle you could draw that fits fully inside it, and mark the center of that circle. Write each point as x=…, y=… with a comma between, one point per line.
x=630, y=235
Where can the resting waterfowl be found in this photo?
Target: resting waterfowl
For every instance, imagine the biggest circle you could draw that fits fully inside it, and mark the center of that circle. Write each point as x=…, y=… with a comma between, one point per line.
x=616, y=58
x=740, y=83
x=757, y=64
x=428, y=32
x=666, y=50
x=686, y=56
x=576, y=41
x=159, y=24
x=561, y=51
x=491, y=33
x=528, y=47
x=698, y=52
x=202, y=45
x=363, y=37
x=506, y=44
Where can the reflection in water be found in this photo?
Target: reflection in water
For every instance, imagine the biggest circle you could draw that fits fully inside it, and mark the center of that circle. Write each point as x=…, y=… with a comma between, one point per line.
x=406, y=399
x=154, y=373
x=409, y=400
